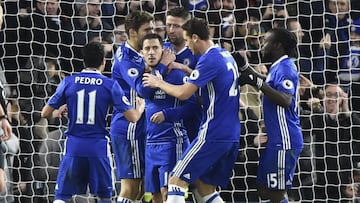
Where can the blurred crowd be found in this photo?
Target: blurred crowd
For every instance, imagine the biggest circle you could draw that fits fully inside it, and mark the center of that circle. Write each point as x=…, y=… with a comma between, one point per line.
x=41, y=42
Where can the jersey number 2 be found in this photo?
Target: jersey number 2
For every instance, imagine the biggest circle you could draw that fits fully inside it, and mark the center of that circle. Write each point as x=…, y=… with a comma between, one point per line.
x=233, y=91
x=81, y=104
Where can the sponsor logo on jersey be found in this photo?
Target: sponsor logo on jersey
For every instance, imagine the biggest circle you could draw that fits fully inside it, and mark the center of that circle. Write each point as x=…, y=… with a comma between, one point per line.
x=159, y=94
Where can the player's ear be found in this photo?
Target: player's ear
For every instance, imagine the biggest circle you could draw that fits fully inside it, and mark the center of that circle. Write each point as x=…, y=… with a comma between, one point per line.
x=194, y=37
x=132, y=32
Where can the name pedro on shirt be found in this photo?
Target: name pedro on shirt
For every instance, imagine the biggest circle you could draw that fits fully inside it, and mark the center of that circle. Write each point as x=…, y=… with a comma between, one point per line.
x=88, y=80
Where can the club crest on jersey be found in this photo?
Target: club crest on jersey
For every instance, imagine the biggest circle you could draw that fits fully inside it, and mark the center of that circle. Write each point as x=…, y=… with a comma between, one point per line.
x=186, y=61
x=194, y=75
x=288, y=84
x=125, y=100
x=133, y=72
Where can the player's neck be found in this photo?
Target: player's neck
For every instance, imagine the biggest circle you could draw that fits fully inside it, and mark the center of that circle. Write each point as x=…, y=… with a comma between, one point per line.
x=133, y=45
x=179, y=47
x=91, y=69
x=206, y=44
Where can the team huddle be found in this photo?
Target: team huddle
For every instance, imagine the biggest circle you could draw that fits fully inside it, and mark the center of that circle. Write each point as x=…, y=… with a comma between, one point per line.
x=175, y=120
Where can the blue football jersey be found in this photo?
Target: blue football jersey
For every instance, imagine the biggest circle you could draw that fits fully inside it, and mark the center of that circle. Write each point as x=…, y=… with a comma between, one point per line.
x=128, y=68
x=282, y=124
x=216, y=75
x=157, y=100
x=88, y=96
x=192, y=122
x=185, y=56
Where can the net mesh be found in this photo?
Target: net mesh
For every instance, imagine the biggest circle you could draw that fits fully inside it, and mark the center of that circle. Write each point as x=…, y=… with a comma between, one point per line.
x=41, y=43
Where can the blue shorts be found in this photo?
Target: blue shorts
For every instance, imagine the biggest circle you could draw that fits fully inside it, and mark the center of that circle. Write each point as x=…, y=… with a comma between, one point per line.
x=160, y=160
x=277, y=167
x=77, y=173
x=210, y=161
x=129, y=157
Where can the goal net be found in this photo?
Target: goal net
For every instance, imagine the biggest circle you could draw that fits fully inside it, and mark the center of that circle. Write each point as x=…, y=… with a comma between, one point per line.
x=41, y=42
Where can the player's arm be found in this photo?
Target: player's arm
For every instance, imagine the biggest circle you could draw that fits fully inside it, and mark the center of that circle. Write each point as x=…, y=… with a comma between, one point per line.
x=57, y=101
x=181, y=92
x=278, y=97
x=255, y=79
x=145, y=92
x=184, y=111
x=128, y=71
x=47, y=111
x=50, y=112
x=122, y=104
x=133, y=115
x=175, y=65
x=250, y=76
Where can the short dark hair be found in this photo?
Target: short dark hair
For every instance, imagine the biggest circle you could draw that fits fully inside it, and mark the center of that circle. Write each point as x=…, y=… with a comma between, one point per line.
x=197, y=26
x=152, y=36
x=93, y=54
x=180, y=12
x=136, y=19
x=287, y=40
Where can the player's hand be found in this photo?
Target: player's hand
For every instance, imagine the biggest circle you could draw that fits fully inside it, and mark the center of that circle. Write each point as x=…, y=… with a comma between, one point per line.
x=260, y=139
x=167, y=57
x=153, y=81
x=175, y=65
x=241, y=61
x=251, y=77
x=140, y=104
x=6, y=127
x=157, y=117
x=61, y=112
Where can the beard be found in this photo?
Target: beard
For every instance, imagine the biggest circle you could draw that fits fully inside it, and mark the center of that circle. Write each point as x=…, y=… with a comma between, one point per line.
x=176, y=40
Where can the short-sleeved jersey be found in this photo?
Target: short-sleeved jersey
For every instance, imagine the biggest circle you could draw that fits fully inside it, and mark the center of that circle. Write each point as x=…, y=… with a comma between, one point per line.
x=157, y=100
x=184, y=56
x=88, y=96
x=216, y=75
x=283, y=124
x=128, y=69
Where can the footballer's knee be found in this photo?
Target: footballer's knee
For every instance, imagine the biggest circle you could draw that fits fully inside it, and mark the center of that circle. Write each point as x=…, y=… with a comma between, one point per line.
x=174, y=180
x=130, y=188
x=263, y=192
x=204, y=189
